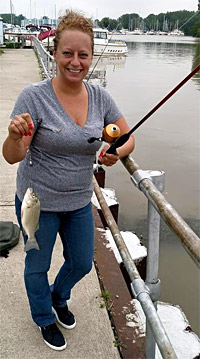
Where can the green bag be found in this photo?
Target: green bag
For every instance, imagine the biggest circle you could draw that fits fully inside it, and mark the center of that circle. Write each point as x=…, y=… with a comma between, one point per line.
x=9, y=236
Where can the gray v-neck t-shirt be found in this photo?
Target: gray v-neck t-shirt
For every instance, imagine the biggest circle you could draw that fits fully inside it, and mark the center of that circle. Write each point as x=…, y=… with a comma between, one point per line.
x=62, y=159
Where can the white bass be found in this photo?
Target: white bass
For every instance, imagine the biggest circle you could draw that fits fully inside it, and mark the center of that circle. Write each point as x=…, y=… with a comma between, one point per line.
x=30, y=213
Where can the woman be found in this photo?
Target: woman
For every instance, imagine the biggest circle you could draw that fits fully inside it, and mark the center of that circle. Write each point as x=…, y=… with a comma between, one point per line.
x=48, y=134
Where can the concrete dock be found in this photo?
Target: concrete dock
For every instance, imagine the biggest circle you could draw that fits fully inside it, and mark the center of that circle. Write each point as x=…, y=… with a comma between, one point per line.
x=20, y=338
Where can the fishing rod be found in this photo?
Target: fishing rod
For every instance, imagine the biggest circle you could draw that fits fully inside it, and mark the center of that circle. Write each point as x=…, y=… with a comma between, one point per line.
x=124, y=138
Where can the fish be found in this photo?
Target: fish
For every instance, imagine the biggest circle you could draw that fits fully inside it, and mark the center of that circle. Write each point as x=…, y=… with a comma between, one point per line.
x=30, y=213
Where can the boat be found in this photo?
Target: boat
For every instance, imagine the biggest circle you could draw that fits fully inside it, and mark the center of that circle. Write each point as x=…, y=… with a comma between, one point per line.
x=136, y=32
x=9, y=32
x=151, y=32
x=103, y=45
x=46, y=36
x=176, y=32
x=31, y=31
x=14, y=32
x=161, y=33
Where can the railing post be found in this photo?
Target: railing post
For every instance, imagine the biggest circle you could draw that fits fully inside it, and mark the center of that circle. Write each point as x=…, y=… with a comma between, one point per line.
x=152, y=280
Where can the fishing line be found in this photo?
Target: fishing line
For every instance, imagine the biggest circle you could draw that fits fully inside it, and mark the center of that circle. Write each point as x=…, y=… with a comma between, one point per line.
x=96, y=157
x=29, y=153
x=189, y=19
x=124, y=138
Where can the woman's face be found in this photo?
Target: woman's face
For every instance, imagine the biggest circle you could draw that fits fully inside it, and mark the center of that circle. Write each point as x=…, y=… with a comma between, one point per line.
x=73, y=55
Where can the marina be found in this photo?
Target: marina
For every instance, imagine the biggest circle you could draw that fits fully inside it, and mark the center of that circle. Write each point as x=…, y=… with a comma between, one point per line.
x=103, y=44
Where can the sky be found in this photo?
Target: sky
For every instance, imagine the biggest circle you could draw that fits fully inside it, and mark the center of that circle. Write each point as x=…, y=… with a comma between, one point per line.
x=94, y=8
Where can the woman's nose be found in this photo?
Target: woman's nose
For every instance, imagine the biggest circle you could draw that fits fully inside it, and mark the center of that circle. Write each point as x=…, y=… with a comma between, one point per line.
x=75, y=60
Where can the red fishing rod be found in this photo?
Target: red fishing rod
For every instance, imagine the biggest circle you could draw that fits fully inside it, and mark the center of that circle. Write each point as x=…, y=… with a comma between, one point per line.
x=124, y=138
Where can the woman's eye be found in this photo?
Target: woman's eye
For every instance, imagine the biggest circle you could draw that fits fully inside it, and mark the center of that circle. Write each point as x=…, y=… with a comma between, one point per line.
x=83, y=55
x=67, y=53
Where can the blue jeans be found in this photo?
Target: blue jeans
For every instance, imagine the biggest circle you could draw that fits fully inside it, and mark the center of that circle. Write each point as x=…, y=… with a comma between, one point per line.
x=76, y=230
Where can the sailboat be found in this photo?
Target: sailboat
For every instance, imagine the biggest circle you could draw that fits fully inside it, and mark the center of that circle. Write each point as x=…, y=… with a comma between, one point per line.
x=176, y=31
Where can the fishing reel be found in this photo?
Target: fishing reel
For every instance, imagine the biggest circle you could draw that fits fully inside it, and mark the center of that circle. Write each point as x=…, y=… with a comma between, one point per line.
x=110, y=134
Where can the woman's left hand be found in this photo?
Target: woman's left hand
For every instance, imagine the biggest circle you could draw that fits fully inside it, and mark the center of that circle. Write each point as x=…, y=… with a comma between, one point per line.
x=107, y=159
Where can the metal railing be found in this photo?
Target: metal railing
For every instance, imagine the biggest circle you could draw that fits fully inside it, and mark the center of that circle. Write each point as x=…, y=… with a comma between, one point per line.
x=152, y=184
x=46, y=60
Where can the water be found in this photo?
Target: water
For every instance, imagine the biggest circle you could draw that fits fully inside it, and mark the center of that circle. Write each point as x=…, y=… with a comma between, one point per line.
x=169, y=140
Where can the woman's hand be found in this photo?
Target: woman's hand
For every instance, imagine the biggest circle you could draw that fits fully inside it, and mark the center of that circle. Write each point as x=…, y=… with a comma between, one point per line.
x=19, y=138
x=107, y=159
x=20, y=126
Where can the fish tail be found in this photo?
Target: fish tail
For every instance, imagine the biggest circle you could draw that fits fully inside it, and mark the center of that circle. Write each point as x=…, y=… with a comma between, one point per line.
x=31, y=244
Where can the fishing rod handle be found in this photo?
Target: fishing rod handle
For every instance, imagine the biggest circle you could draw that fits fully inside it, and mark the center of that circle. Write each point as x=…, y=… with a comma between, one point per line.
x=112, y=150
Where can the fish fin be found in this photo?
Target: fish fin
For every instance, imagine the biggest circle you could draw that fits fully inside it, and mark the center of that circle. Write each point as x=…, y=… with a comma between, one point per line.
x=31, y=244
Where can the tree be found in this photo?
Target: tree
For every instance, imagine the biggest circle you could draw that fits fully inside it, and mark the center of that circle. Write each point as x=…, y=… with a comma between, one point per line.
x=187, y=21
x=130, y=21
x=6, y=18
x=19, y=18
x=16, y=20
x=183, y=19
x=113, y=24
x=104, y=22
x=151, y=22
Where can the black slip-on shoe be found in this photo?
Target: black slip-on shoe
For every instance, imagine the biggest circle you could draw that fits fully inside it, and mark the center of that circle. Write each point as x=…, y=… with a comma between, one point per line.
x=64, y=317
x=53, y=337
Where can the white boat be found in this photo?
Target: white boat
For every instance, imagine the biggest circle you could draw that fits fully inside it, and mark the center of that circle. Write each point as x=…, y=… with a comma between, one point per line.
x=103, y=45
x=135, y=32
x=151, y=32
x=162, y=33
x=176, y=32
x=14, y=32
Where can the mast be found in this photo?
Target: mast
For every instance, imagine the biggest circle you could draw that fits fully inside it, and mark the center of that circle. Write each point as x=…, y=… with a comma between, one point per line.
x=30, y=13
x=11, y=13
x=55, y=15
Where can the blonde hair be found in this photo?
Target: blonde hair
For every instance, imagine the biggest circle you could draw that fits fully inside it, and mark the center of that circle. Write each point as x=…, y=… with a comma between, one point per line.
x=74, y=20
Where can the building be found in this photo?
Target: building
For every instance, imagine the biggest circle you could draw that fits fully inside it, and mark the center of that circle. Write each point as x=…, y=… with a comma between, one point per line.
x=39, y=22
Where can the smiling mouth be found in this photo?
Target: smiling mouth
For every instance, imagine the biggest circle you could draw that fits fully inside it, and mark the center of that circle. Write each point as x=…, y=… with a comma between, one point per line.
x=74, y=71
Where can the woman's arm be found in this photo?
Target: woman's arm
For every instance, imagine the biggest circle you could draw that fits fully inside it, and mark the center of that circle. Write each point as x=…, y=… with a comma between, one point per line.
x=109, y=159
x=19, y=138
